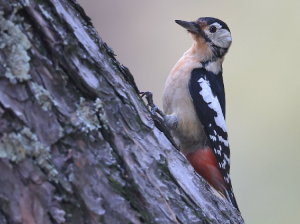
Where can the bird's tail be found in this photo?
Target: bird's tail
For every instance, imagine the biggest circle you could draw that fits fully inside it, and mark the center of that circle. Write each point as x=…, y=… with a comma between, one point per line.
x=231, y=198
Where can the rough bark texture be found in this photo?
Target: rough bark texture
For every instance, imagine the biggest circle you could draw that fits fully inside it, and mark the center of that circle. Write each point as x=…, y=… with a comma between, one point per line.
x=78, y=144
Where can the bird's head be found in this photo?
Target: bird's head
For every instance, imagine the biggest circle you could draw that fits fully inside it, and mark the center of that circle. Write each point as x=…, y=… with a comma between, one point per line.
x=209, y=32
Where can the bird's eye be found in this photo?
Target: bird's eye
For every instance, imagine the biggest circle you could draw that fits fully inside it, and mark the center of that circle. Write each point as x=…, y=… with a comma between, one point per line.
x=212, y=29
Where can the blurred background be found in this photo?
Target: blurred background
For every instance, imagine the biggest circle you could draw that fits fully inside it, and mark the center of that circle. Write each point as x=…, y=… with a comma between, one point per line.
x=261, y=75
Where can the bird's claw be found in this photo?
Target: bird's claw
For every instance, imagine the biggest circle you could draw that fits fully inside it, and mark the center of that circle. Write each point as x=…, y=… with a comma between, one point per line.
x=158, y=120
x=154, y=109
x=144, y=93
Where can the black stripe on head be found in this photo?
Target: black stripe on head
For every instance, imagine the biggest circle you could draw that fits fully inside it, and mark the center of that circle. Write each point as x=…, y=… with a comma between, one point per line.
x=211, y=20
x=219, y=52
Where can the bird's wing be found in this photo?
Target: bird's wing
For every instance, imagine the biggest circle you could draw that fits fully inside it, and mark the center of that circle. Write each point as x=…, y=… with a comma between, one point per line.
x=208, y=96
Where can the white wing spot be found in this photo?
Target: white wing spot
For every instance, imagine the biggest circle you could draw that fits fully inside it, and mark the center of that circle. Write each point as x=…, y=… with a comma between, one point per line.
x=219, y=151
x=228, y=159
x=223, y=164
x=212, y=102
x=213, y=138
x=221, y=139
x=227, y=179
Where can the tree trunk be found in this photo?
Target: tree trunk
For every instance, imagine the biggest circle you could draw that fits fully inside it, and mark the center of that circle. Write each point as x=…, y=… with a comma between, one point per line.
x=78, y=144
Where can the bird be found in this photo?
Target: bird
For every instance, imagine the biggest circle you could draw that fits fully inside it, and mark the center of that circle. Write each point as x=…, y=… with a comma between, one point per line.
x=194, y=103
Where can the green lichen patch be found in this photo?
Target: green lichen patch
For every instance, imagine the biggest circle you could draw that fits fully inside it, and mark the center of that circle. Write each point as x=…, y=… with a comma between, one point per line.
x=16, y=146
x=14, y=45
x=87, y=116
x=43, y=96
x=11, y=147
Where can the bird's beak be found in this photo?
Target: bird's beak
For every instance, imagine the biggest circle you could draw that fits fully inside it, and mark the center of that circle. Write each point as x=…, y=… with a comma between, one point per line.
x=190, y=26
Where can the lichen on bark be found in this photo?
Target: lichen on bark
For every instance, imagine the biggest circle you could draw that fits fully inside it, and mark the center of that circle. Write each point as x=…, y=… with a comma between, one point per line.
x=14, y=45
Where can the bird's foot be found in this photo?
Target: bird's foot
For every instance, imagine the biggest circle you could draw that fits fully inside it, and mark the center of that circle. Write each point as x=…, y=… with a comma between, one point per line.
x=159, y=121
x=154, y=109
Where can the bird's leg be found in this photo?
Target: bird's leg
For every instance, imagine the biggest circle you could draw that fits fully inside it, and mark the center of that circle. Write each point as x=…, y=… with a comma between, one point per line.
x=164, y=122
x=171, y=121
x=154, y=109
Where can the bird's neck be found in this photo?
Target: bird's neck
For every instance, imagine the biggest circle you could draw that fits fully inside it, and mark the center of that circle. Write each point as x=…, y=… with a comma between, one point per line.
x=213, y=66
x=201, y=51
x=204, y=54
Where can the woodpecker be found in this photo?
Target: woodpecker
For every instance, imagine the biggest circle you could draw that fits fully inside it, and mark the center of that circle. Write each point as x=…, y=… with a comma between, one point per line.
x=194, y=103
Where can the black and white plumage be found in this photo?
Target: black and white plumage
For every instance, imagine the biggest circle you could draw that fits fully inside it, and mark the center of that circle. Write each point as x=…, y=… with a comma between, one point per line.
x=208, y=96
x=194, y=103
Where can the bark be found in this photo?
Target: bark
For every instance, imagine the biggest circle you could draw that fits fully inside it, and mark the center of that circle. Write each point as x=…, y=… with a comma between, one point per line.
x=78, y=144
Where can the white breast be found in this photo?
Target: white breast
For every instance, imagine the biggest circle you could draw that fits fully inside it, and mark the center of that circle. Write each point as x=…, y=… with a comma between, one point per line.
x=177, y=101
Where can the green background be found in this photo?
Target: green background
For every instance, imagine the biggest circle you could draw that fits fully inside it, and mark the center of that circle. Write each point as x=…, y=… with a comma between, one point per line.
x=261, y=75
